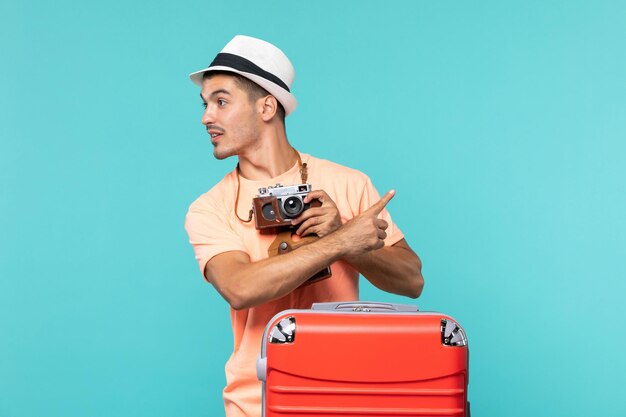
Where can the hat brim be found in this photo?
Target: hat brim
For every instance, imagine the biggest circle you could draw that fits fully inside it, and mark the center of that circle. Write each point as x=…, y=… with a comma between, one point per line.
x=285, y=98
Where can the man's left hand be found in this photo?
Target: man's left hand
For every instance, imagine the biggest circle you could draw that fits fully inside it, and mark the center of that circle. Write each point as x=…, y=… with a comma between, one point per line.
x=318, y=220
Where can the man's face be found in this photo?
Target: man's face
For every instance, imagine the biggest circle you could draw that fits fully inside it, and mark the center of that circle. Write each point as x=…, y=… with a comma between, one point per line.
x=229, y=117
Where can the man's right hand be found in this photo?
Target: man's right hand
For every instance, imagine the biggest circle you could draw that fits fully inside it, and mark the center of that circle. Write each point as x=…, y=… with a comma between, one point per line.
x=319, y=221
x=365, y=232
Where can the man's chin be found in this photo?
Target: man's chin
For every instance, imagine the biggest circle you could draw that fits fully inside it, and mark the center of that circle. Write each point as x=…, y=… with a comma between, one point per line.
x=219, y=155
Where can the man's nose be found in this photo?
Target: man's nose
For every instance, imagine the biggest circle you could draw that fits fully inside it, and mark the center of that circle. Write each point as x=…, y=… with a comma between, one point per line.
x=208, y=117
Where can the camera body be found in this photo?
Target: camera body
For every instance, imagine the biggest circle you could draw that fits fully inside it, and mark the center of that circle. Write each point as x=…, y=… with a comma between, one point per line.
x=276, y=206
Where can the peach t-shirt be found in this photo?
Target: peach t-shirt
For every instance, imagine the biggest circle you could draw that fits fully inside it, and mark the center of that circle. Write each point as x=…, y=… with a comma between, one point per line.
x=213, y=228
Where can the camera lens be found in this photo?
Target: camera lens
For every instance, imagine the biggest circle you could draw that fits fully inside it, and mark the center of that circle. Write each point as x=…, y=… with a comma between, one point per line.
x=293, y=206
x=268, y=212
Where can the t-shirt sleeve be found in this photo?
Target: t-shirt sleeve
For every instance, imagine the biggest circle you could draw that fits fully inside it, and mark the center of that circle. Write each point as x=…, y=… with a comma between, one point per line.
x=369, y=197
x=210, y=233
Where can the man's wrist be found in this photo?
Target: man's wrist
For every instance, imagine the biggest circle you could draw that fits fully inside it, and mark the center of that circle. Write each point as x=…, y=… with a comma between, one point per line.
x=333, y=245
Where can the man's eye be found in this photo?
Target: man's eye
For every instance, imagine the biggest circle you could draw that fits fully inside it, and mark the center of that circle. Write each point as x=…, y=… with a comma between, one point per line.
x=204, y=105
x=221, y=102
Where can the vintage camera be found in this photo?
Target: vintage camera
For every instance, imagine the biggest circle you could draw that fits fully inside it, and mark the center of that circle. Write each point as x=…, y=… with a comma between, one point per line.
x=276, y=206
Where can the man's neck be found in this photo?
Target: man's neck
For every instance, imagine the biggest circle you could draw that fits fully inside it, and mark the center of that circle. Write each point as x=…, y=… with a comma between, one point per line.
x=273, y=156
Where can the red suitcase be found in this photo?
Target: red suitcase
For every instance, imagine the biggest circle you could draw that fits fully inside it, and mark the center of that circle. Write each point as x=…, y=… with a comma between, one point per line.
x=363, y=359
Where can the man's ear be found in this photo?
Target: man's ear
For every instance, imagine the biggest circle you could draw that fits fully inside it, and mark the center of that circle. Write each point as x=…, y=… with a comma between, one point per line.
x=269, y=107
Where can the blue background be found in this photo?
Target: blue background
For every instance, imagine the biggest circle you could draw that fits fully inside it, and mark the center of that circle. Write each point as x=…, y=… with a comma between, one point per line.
x=502, y=126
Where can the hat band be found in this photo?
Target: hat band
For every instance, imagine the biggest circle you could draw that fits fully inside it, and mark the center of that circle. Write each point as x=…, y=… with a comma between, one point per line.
x=242, y=64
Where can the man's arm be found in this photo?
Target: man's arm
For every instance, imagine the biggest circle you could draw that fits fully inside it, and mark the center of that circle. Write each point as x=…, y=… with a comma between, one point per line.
x=245, y=284
x=395, y=269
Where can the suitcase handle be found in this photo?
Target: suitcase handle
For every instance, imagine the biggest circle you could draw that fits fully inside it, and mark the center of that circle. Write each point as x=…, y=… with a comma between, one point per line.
x=365, y=306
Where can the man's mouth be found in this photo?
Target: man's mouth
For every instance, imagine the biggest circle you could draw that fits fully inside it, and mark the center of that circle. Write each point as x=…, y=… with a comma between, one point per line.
x=215, y=134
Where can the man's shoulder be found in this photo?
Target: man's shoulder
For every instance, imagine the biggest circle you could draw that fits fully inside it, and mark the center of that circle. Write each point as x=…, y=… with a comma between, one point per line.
x=215, y=196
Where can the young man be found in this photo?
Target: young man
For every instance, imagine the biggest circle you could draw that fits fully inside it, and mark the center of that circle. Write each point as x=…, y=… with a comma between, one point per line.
x=246, y=92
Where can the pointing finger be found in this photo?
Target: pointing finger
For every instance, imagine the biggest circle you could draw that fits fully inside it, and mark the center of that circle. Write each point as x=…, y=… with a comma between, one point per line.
x=380, y=204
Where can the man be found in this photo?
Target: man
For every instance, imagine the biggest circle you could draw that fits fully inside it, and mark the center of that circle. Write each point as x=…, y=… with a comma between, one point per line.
x=246, y=95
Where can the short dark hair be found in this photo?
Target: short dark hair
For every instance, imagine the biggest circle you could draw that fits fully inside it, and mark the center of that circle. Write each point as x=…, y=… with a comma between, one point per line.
x=252, y=89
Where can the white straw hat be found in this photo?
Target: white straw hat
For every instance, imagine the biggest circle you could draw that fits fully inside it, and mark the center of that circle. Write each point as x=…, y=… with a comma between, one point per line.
x=258, y=61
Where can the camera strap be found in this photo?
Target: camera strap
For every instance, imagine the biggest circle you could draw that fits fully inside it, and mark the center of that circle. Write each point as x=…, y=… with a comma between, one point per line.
x=304, y=174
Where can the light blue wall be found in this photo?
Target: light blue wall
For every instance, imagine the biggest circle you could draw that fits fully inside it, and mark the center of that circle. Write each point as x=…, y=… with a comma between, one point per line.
x=501, y=125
